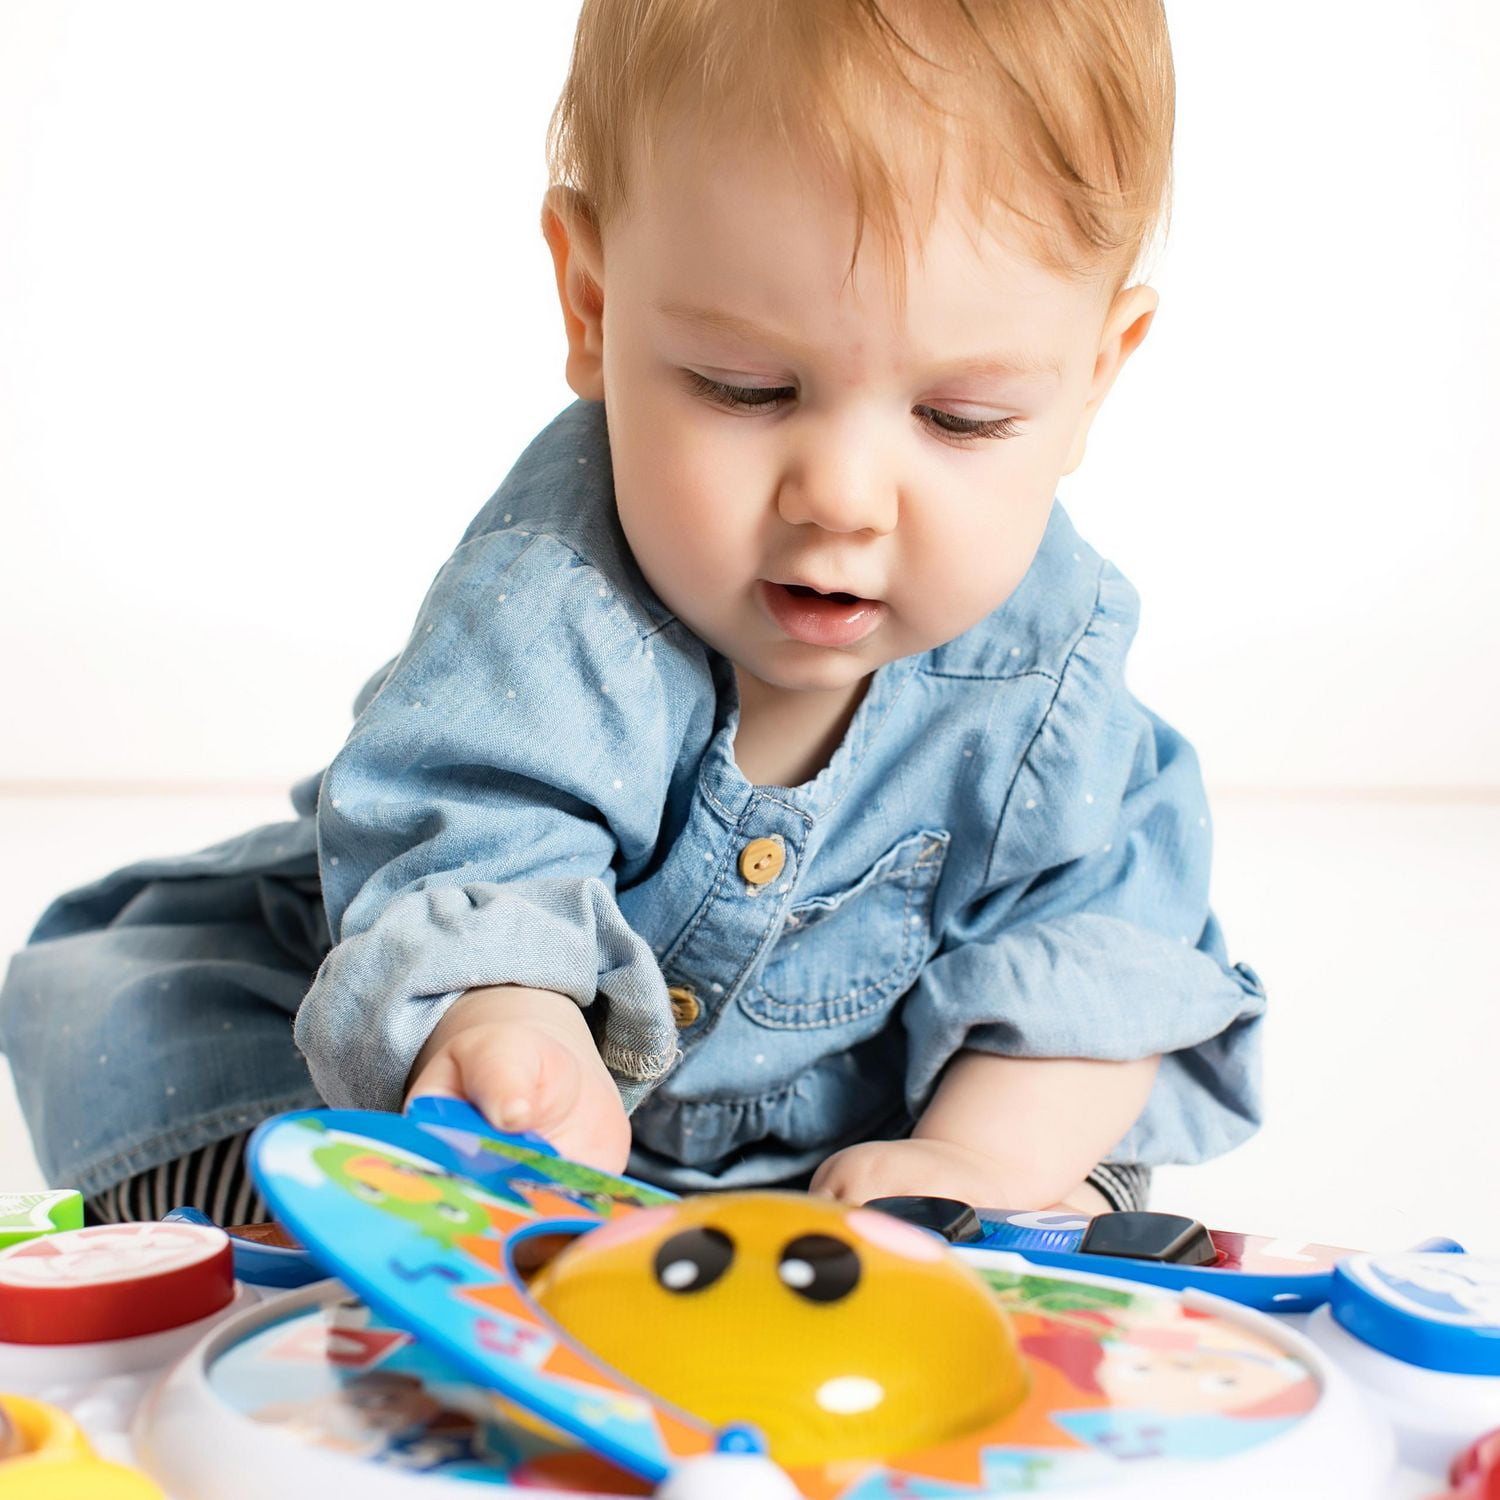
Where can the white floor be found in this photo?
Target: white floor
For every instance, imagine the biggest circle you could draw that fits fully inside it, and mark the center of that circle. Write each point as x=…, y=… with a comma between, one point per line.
x=1372, y=924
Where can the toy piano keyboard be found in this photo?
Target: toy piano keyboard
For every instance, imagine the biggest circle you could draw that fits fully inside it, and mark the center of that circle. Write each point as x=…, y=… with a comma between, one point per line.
x=502, y=1315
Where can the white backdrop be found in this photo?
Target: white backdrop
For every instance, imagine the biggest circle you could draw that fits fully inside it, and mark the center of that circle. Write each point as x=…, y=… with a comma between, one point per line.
x=275, y=318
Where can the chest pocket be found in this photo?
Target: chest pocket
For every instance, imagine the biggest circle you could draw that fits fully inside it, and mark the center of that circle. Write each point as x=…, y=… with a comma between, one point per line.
x=844, y=956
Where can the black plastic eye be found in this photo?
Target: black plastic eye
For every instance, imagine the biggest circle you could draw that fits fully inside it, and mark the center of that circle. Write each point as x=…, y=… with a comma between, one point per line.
x=694, y=1259
x=819, y=1267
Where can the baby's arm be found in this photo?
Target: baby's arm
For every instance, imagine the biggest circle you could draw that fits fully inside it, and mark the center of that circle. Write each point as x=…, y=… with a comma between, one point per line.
x=1002, y=1132
x=527, y=1060
x=472, y=829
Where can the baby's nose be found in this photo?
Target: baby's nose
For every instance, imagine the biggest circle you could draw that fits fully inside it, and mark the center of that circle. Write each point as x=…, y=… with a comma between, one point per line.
x=839, y=492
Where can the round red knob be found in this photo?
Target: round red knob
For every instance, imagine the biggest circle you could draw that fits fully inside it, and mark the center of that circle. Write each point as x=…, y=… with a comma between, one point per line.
x=113, y=1281
x=1475, y=1473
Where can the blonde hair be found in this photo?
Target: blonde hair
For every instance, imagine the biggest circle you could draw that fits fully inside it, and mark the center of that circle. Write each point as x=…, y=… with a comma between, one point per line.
x=1062, y=110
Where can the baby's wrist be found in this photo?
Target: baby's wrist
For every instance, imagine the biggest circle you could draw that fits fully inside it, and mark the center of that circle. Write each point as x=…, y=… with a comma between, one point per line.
x=512, y=1002
x=506, y=1004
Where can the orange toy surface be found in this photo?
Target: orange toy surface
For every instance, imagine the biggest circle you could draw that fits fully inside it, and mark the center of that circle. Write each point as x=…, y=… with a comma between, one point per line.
x=839, y=1332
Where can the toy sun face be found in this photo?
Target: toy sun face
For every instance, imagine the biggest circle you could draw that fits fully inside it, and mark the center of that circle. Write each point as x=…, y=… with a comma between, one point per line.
x=839, y=1332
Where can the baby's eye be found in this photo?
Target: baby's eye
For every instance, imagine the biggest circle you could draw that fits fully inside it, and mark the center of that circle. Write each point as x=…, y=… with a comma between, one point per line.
x=738, y=396
x=965, y=429
x=766, y=397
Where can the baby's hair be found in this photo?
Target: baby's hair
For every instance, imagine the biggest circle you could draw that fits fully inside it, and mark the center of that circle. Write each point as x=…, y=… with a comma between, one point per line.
x=1061, y=111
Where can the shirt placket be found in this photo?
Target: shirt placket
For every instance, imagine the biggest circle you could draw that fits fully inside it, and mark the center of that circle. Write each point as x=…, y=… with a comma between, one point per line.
x=754, y=869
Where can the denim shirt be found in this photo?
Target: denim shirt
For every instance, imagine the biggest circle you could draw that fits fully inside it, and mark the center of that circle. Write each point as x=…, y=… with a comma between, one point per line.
x=1007, y=853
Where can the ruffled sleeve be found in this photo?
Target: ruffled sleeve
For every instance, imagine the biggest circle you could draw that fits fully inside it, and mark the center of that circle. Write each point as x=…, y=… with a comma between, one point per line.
x=505, y=771
x=1093, y=936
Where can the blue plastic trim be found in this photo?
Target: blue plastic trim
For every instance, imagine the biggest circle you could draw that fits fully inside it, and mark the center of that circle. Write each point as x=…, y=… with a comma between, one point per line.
x=1370, y=1298
x=257, y=1264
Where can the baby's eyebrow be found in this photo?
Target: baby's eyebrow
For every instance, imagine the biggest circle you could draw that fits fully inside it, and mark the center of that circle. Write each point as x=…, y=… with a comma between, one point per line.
x=1006, y=366
x=996, y=366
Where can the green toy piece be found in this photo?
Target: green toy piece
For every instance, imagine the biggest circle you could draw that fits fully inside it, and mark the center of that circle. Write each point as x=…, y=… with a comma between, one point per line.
x=24, y=1216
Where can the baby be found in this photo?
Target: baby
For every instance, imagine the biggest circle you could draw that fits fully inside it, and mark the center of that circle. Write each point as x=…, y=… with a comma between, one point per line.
x=758, y=799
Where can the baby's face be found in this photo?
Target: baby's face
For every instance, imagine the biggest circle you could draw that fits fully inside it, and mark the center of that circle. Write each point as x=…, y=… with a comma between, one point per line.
x=774, y=430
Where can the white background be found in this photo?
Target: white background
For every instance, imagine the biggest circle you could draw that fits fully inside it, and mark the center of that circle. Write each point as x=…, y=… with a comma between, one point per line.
x=276, y=317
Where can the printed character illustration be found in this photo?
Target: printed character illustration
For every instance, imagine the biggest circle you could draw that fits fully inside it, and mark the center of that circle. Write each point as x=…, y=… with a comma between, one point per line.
x=443, y=1207
x=1154, y=1381
x=361, y=1417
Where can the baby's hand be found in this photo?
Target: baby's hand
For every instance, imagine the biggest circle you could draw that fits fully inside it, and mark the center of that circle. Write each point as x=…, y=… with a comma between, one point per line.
x=933, y=1169
x=526, y=1059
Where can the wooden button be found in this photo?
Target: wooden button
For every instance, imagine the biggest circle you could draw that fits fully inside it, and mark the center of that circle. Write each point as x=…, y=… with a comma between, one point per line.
x=762, y=860
x=685, y=1006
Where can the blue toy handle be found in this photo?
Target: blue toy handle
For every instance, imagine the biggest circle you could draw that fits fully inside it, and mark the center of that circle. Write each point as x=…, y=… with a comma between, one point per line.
x=255, y=1264
x=459, y=1114
x=188, y=1216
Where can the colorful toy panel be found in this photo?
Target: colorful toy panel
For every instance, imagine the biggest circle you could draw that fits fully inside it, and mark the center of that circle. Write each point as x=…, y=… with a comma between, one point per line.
x=435, y=1225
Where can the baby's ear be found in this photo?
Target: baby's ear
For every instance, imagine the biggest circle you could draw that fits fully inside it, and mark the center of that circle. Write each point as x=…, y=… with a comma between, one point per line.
x=578, y=261
x=1125, y=326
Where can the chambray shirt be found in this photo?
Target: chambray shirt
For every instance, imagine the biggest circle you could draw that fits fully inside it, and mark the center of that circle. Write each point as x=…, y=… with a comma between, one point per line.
x=1007, y=853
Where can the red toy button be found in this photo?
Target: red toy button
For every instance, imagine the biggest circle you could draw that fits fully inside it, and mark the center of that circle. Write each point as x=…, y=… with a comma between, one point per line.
x=1475, y=1474
x=114, y=1281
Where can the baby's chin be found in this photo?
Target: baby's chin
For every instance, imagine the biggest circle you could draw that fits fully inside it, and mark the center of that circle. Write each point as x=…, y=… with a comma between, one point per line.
x=793, y=667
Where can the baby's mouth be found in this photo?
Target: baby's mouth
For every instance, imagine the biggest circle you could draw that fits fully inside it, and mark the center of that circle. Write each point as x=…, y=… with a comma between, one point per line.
x=818, y=619
x=804, y=592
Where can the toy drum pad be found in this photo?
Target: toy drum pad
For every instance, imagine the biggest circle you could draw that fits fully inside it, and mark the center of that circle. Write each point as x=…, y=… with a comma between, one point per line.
x=114, y=1281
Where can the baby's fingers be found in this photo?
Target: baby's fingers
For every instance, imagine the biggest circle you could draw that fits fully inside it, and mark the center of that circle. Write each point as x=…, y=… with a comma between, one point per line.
x=503, y=1082
x=440, y=1075
x=507, y=1085
x=519, y=1079
x=831, y=1179
x=529, y=1077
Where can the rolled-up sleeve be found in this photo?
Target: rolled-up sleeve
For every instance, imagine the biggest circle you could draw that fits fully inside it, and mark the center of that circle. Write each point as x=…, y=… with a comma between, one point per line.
x=1094, y=937
x=501, y=776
